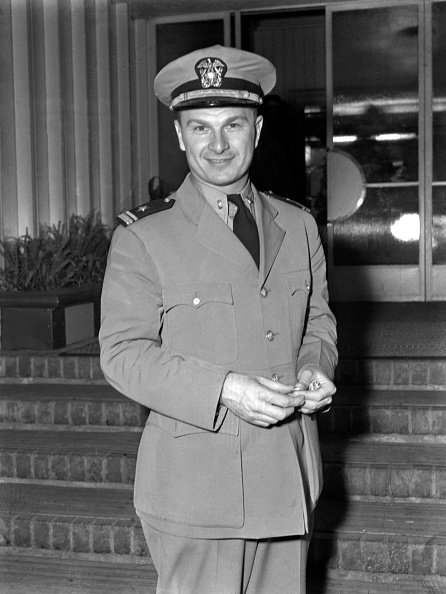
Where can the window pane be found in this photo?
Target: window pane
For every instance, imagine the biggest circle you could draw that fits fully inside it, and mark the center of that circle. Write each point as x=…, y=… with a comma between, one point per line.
x=375, y=90
x=439, y=90
x=384, y=230
x=439, y=226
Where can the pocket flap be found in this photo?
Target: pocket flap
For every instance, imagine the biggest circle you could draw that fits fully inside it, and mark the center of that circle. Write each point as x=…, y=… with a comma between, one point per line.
x=298, y=281
x=197, y=295
x=175, y=428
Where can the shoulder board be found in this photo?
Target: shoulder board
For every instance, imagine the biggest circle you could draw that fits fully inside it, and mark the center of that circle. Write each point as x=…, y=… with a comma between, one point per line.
x=287, y=200
x=128, y=217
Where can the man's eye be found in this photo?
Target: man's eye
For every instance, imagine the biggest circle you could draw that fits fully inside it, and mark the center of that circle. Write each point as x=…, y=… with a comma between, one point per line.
x=233, y=125
x=199, y=128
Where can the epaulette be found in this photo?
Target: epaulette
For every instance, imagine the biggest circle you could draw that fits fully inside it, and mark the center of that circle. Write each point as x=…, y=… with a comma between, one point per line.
x=132, y=215
x=287, y=200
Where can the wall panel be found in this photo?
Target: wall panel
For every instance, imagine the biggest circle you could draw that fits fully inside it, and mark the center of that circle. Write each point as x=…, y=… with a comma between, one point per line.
x=8, y=177
x=123, y=119
x=56, y=196
x=105, y=158
x=22, y=117
x=66, y=136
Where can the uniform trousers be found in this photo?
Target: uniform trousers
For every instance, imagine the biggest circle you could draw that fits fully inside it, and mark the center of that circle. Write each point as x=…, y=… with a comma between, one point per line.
x=228, y=566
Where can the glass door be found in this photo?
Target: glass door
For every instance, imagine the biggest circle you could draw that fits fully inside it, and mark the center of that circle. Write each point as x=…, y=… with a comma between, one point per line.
x=374, y=69
x=437, y=215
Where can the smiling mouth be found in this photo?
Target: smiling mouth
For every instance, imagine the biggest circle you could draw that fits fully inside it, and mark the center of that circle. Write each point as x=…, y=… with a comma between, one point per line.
x=219, y=161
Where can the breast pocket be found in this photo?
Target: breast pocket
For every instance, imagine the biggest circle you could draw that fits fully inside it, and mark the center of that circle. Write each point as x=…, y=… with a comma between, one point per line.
x=298, y=288
x=200, y=321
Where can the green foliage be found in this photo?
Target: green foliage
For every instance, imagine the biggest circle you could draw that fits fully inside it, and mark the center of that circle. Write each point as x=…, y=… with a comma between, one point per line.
x=61, y=256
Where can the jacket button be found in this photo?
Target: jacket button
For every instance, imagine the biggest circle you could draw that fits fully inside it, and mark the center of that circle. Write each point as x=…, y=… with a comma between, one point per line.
x=196, y=301
x=275, y=377
x=270, y=335
x=264, y=292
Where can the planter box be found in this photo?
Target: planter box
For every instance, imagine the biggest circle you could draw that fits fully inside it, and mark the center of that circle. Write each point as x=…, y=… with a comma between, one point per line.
x=44, y=320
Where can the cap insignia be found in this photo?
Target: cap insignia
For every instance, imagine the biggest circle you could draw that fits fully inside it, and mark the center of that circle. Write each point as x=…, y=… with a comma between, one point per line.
x=210, y=71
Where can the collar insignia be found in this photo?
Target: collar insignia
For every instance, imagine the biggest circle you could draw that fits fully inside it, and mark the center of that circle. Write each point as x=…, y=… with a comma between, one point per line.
x=210, y=71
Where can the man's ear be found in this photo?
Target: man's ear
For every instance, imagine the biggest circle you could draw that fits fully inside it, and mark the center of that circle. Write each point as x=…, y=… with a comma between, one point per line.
x=258, y=124
x=179, y=134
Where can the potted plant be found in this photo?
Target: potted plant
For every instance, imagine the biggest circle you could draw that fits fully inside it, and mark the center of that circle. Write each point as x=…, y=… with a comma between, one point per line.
x=50, y=284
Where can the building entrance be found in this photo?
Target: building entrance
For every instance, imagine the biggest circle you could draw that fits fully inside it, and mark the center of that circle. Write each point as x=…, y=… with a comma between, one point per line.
x=359, y=84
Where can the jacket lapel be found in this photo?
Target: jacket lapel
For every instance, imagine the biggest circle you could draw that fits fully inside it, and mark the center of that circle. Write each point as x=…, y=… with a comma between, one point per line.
x=216, y=236
x=271, y=235
x=212, y=232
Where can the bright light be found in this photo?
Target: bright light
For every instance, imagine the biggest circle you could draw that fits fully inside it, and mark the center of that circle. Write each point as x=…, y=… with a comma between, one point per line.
x=344, y=139
x=406, y=228
x=313, y=109
x=386, y=105
x=394, y=136
x=360, y=201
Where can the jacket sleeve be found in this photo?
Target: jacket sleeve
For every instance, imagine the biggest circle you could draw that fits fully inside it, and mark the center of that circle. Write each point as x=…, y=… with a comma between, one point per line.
x=133, y=359
x=319, y=339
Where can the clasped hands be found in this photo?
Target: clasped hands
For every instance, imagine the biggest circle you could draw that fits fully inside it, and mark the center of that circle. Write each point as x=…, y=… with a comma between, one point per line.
x=264, y=402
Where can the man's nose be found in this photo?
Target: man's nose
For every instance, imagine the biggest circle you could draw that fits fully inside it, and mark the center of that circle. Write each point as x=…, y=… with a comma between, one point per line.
x=219, y=142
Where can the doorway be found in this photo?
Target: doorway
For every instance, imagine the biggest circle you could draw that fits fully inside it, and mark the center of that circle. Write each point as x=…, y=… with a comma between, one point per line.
x=367, y=80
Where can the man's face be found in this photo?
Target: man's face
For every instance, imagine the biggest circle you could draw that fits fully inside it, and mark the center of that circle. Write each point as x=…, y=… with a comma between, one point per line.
x=219, y=143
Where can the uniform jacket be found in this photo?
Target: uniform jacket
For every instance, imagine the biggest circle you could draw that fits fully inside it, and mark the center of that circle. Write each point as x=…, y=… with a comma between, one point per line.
x=182, y=305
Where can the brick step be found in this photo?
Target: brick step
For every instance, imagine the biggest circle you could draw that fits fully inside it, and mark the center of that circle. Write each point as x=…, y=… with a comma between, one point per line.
x=70, y=519
x=96, y=457
x=25, y=571
x=73, y=405
x=378, y=467
x=396, y=372
x=44, y=366
x=357, y=409
x=372, y=466
x=380, y=537
x=357, y=582
x=366, y=409
x=22, y=573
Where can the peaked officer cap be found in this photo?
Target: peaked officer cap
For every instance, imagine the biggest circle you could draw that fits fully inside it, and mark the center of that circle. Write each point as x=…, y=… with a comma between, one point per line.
x=215, y=76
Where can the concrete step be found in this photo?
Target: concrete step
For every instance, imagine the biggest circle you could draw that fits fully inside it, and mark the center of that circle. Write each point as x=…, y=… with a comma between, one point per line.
x=72, y=405
x=94, y=457
x=397, y=372
x=364, y=536
x=360, y=410
x=22, y=573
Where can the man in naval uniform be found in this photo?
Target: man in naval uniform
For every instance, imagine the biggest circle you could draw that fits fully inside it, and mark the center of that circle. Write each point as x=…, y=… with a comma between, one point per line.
x=215, y=317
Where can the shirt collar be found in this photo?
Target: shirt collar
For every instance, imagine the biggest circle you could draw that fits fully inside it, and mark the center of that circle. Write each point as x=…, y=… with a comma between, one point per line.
x=218, y=199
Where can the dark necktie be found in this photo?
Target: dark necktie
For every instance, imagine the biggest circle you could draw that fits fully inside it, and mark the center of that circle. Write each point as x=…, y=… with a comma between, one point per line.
x=245, y=227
